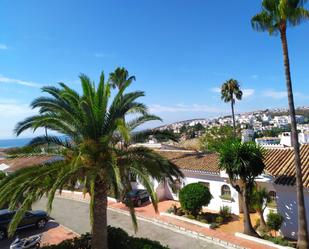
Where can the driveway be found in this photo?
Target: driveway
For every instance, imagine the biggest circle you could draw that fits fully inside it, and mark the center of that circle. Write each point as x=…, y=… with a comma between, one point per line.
x=75, y=215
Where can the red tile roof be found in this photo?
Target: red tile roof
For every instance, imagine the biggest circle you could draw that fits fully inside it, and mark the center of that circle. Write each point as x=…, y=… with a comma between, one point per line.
x=193, y=161
x=279, y=163
x=22, y=162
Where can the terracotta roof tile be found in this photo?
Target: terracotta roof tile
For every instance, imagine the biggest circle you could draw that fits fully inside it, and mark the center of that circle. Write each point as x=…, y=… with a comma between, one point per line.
x=22, y=162
x=193, y=161
x=279, y=163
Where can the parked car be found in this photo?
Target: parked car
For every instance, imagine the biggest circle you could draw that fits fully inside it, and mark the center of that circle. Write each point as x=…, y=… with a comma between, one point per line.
x=137, y=196
x=31, y=219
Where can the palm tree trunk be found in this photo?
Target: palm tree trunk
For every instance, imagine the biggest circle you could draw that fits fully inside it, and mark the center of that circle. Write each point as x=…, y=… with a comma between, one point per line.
x=262, y=220
x=99, y=226
x=303, y=239
x=233, y=117
x=248, y=228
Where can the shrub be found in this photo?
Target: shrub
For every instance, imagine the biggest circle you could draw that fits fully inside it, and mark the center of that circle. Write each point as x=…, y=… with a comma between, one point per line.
x=225, y=212
x=274, y=221
x=117, y=239
x=257, y=223
x=193, y=196
x=214, y=225
x=180, y=212
x=279, y=241
x=190, y=216
x=170, y=210
x=141, y=243
x=219, y=219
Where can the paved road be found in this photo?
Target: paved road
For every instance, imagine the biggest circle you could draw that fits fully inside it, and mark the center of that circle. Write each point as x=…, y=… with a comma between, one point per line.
x=75, y=215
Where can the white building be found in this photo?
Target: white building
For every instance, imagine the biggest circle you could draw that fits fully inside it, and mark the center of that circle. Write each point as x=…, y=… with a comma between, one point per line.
x=247, y=135
x=285, y=138
x=281, y=121
x=278, y=178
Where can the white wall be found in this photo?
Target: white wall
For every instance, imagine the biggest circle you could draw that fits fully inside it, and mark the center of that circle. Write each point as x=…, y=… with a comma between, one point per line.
x=286, y=198
x=164, y=191
x=215, y=184
x=287, y=206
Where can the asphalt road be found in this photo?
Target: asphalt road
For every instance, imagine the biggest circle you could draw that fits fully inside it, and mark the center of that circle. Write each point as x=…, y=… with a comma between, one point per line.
x=75, y=215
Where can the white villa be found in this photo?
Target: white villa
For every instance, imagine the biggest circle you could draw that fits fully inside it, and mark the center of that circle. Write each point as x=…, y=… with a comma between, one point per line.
x=278, y=178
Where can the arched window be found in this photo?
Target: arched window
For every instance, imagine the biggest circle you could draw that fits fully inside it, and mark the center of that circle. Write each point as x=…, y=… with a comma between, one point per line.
x=225, y=192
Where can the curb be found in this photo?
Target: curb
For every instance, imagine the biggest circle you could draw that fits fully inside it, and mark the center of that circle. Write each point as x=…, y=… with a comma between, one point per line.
x=261, y=241
x=182, y=230
x=194, y=222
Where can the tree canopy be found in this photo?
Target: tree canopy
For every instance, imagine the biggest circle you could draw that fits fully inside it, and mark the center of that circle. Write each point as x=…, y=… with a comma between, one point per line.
x=216, y=136
x=92, y=153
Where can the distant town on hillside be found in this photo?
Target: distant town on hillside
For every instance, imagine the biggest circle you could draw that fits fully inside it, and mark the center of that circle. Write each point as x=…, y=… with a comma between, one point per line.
x=270, y=126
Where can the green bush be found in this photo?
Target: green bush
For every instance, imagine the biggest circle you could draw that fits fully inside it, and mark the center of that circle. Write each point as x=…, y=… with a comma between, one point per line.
x=170, y=210
x=193, y=196
x=274, y=221
x=117, y=239
x=190, y=216
x=279, y=241
x=225, y=212
x=219, y=219
x=141, y=243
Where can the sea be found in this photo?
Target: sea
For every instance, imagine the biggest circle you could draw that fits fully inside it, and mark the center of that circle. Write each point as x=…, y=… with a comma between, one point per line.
x=11, y=143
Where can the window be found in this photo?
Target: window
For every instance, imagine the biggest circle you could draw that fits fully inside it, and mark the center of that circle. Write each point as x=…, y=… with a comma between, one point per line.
x=272, y=197
x=226, y=192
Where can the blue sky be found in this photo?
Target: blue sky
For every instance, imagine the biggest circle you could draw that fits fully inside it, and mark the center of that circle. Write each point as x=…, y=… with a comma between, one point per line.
x=180, y=52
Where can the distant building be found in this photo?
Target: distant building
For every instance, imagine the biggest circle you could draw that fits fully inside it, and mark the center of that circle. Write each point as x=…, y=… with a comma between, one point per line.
x=303, y=138
x=268, y=140
x=247, y=135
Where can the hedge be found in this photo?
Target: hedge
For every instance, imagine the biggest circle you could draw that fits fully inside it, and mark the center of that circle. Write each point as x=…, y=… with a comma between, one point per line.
x=117, y=239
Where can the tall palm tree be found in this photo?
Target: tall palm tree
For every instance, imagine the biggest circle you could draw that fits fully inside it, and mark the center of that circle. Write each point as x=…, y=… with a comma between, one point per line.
x=90, y=155
x=230, y=91
x=243, y=162
x=275, y=17
x=120, y=77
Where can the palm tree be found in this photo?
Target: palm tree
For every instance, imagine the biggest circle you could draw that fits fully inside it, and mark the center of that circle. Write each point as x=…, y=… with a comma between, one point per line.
x=120, y=77
x=230, y=91
x=2, y=175
x=275, y=17
x=258, y=201
x=90, y=155
x=243, y=162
